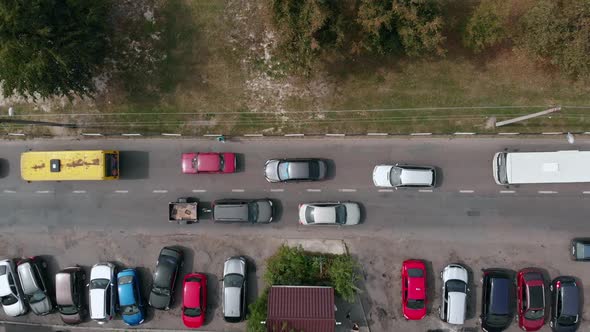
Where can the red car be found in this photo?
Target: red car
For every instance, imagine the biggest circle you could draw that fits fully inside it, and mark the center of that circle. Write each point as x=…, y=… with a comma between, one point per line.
x=414, y=289
x=208, y=162
x=194, y=300
x=530, y=299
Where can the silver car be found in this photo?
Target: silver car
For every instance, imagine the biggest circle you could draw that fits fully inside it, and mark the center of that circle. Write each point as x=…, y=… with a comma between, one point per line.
x=404, y=176
x=295, y=170
x=11, y=294
x=32, y=273
x=234, y=289
x=330, y=213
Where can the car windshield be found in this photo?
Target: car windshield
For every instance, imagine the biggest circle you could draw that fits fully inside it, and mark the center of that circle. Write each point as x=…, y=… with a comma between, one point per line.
x=192, y=312
x=125, y=280
x=415, y=304
x=9, y=300
x=128, y=310
x=283, y=171
x=37, y=297
x=161, y=290
x=341, y=214
x=233, y=280
x=309, y=215
x=253, y=211
x=567, y=320
x=456, y=286
x=395, y=176
x=534, y=314
x=415, y=273
x=2, y=270
x=68, y=310
x=99, y=283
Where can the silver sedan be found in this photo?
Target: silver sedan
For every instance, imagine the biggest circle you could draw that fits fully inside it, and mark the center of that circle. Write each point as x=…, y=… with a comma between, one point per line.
x=331, y=213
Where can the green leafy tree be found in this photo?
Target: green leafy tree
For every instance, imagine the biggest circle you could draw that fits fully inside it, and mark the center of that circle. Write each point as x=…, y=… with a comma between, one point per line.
x=487, y=26
x=52, y=47
x=410, y=27
x=257, y=312
x=343, y=273
x=559, y=31
x=290, y=266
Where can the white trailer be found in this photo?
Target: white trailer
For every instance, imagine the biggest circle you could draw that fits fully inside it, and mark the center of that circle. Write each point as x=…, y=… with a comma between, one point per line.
x=541, y=167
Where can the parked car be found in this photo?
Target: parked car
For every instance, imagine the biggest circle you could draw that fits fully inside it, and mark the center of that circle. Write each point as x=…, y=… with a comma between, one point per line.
x=243, y=210
x=329, y=213
x=194, y=300
x=69, y=290
x=581, y=249
x=530, y=294
x=167, y=267
x=11, y=294
x=234, y=289
x=293, y=170
x=32, y=273
x=565, y=304
x=455, y=281
x=497, y=301
x=208, y=162
x=404, y=176
x=102, y=294
x=413, y=289
x=129, y=294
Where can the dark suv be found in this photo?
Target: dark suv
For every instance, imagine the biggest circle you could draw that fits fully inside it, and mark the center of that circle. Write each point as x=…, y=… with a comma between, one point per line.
x=168, y=266
x=497, y=305
x=565, y=304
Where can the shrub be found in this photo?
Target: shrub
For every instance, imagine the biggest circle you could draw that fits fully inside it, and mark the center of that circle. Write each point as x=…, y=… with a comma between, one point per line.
x=486, y=27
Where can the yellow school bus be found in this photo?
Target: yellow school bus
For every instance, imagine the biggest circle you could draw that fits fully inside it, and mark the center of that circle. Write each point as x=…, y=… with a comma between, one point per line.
x=69, y=165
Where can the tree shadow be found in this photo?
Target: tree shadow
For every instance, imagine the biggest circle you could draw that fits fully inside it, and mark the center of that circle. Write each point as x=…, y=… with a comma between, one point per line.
x=134, y=165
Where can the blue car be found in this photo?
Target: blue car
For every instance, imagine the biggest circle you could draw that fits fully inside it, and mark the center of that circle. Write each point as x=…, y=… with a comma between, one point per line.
x=130, y=303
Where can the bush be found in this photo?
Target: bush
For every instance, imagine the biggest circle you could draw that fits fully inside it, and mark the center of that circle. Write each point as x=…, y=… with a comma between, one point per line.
x=258, y=312
x=487, y=26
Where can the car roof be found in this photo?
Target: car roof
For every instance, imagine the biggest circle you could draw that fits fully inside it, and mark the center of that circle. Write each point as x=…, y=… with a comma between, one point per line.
x=231, y=211
x=570, y=296
x=415, y=176
x=416, y=287
x=27, y=278
x=208, y=162
x=63, y=290
x=324, y=214
x=456, y=307
x=499, y=297
x=98, y=303
x=298, y=169
x=191, y=291
x=232, y=301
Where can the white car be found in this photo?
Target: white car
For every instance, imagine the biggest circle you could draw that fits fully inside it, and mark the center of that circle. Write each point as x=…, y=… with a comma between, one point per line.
x=404, y=176
x=11, y=295
x=102, y=297
x=234, y=289
x=454, y=294
x=331, y=213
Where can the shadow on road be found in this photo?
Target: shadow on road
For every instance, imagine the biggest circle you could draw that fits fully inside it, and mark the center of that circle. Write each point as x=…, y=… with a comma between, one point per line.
x=4, y=168
x=134, y=165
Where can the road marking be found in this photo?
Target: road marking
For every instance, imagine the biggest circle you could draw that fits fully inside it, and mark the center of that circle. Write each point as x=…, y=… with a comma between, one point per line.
x=78, y=191
x=460, y=133
x=377, y=134
x=552, y=133
x=237, y=190
x=508, y=133
x=385, y=190
x=91, y=134
x=277, y=190
x=347, y=190
x=43, y=191
x=586, y=192
x=466, y=191
x=199, y=190
x=121, y=191
x=9, y=191
x=16, y=134
x=166, y=134
x=420, y=134
x=425, y=190
x=130, y=134
x=160, y=191
x=294, y=135
x=337, y=135
x=547, y=192
x=211, y=135
x=253, y=135
x=314, y=190
x=507, y=191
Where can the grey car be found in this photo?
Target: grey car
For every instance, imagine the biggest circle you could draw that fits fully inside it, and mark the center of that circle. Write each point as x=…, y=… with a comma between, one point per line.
x=565, y=304
x=295, y=170
x=167, y=267
x=234, y=289
x=32, y=273
x=329, y=213
x=581, y=249
x=236, y=210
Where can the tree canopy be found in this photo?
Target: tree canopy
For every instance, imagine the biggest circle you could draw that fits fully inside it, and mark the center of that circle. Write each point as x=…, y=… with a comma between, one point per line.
x=52, y=47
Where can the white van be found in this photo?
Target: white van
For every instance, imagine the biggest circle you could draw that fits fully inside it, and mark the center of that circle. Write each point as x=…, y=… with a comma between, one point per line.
x=454, y=294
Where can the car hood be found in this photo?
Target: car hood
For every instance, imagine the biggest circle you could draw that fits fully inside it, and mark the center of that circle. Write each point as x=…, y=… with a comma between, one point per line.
x=234, y=266
x=16, y=309
x=353, y=213
x=132, y=320
x=42, y=307
x=193, y=322
x=454, y=273
x=159, y=301
x=381, y=175
x=4, y=286
x=101, y=272
x=271, y=170
x=264, y=211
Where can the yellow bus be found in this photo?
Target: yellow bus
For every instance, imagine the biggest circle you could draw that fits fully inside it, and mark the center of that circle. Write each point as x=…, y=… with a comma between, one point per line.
x=69, y=165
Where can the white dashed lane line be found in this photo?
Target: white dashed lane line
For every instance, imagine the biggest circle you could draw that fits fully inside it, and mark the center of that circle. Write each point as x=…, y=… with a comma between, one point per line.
x=277, y=190
x=78, y=191
x=121, y=191
x=425, y=190
x=199, y=190
x=347, y=190
x=507, y=191
x=586, y=192
x=314, y=190
x=43, y=192
x=237, y=190
x=160, y=191
x=9, y=191
x=385, y=190
x=546, y=192
x=466, y=191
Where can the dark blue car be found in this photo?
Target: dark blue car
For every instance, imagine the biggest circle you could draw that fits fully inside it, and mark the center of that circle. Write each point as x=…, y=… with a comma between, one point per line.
x=130, y=303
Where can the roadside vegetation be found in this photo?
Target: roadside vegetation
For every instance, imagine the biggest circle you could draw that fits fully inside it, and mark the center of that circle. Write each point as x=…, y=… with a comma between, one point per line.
x=294, y=266
x=307, y=66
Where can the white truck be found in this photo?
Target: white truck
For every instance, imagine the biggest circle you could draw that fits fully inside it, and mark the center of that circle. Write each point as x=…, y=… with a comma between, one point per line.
x=541, y=167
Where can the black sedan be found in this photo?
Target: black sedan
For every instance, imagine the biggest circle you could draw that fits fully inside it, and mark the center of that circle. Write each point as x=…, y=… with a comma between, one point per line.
x=294, y=170
x=167, y=268
x=565, y=304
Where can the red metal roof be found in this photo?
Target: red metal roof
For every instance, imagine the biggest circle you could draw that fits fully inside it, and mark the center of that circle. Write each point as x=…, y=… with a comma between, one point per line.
x=301, y=308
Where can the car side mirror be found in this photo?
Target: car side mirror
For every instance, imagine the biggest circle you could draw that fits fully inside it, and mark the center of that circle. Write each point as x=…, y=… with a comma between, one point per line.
x=87, y=285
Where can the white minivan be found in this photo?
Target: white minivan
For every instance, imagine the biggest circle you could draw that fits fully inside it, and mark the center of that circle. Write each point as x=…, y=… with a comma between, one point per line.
x=454, y=294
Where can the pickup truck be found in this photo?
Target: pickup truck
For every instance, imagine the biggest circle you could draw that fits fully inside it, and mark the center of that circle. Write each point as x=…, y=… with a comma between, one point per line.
x=183, y=211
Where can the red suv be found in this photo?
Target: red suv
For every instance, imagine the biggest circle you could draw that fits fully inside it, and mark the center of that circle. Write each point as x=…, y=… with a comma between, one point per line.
x=208, y=162
x=194, y=300
x=414, y=289
x=531, y=299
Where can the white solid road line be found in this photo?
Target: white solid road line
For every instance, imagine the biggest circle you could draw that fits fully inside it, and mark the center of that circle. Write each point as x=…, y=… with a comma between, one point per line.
x=466, y=191
x=199, y=190
x=43, y=191
x=425, y=190
x=385, y=190
x=277, y=190
x=9, y=191
x=585, y=192
x=507, y=191
x=237, y=190
x=314, y=190
x=547, y=192
x=78, y=191
x=347, y=190
x=121, y=191
x=160, y=191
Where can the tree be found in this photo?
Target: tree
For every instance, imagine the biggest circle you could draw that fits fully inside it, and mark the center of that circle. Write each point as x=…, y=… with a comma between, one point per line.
x=258, y=312
x=52, y=47
x=343, y=272
x=559, y=31
x=487, y=26
x=410, y=27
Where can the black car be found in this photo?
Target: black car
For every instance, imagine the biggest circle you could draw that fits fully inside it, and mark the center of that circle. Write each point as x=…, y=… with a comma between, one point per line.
x=167, y=268
x=497, y=306
x=294, y=170
x=581, y=249
x=565, y=304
